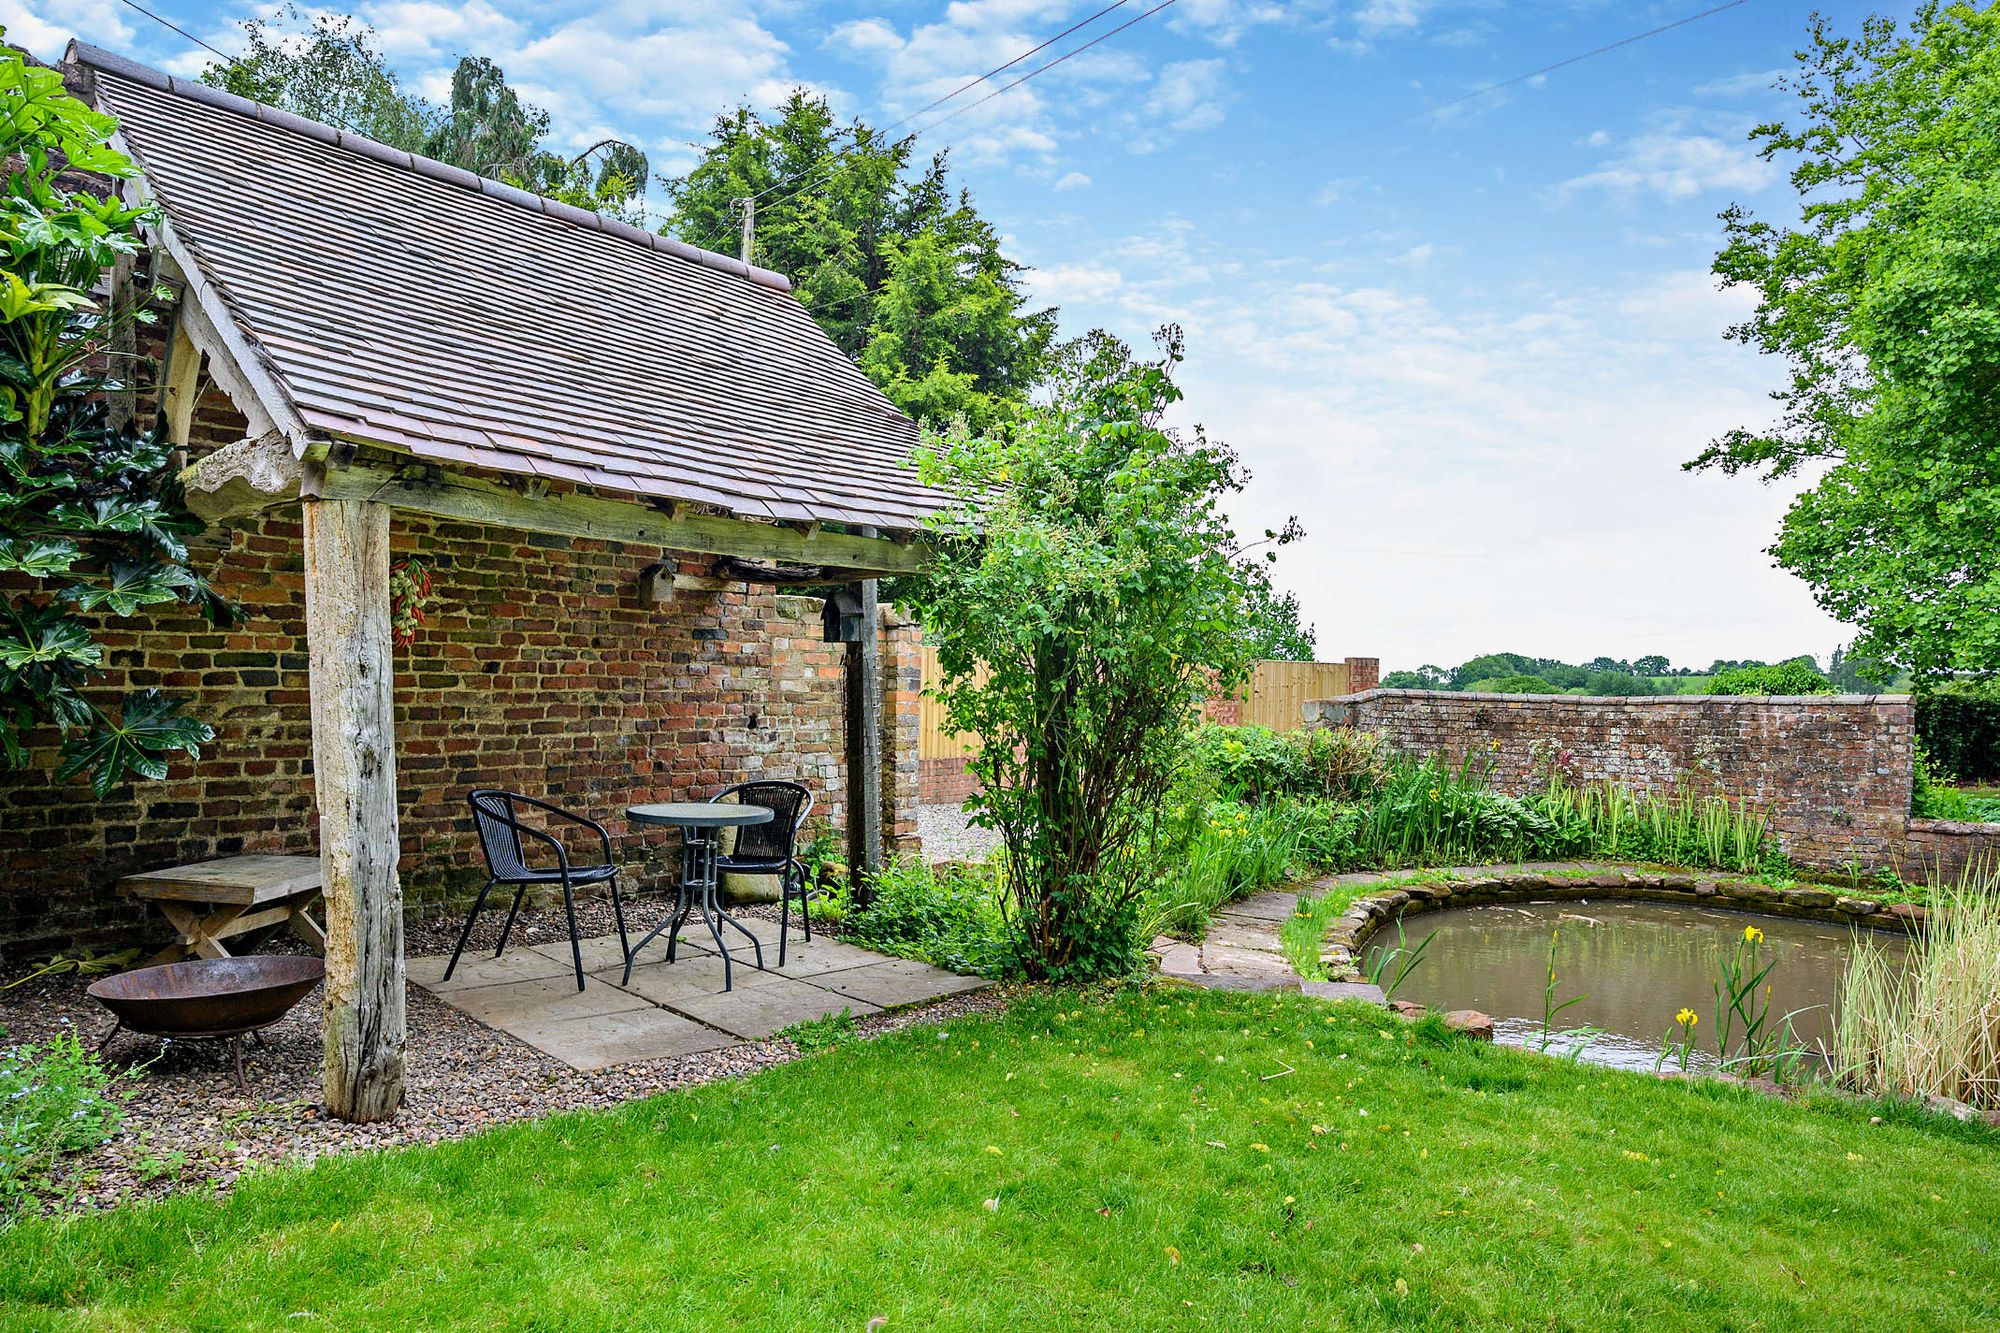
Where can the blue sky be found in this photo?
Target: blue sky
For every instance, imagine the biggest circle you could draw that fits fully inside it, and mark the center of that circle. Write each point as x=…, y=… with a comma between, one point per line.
x=1469, y=347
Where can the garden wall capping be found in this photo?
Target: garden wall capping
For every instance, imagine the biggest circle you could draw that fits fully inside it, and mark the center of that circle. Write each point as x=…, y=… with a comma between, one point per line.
x=1411, y=893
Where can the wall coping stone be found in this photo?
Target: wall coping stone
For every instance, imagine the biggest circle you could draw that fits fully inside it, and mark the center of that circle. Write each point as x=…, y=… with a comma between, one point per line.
x=1599, y=700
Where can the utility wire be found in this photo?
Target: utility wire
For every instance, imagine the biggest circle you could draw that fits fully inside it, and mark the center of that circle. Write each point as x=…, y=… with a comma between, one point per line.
x=1587, y=55
x=848, y=164
x=175, y=27
x=962, y=88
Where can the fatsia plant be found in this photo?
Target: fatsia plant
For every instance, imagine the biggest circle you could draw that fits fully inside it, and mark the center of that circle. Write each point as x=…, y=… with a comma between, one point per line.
x=1089, y=567
x=91, y=521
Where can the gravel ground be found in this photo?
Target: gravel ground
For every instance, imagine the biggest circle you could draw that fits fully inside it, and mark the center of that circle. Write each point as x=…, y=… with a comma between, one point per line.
x=948, y=837
x=187, y=1126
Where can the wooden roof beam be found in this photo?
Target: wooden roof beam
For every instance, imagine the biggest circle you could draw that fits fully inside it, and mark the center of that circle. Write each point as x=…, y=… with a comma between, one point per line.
x=262, y=472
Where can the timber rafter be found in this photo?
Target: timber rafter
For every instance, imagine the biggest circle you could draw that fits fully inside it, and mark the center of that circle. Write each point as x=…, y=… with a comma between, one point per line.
x=263, y=472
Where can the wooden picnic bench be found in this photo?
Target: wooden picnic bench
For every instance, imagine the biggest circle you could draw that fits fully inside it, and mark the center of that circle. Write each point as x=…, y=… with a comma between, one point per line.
x=213, y=901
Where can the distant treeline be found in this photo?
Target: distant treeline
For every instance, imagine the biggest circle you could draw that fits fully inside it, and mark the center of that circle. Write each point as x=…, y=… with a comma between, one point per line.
x=1514, y=673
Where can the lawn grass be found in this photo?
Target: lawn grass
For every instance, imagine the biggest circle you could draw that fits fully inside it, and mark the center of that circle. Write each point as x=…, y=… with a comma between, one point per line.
x=1155, y=1159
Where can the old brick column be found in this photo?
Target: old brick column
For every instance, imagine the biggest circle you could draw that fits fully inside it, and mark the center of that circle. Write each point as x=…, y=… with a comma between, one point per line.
x=902, y=767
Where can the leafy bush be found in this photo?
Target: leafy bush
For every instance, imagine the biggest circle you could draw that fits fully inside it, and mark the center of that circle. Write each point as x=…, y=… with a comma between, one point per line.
x=92, y=524
x=1086, y=592
x=1960, y=731
x=1256, y=764
x=1516, y=683
x=950, y=916
x=1798, y=676
x=55, y=1100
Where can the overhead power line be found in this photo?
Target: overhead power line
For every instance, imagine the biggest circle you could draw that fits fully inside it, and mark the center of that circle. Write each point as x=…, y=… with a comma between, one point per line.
x=800, y=186
x=1587, y=55
x=1517, y=79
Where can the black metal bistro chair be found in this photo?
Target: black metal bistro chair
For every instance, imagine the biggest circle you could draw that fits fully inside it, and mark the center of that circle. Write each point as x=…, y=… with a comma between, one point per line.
x=501, y=832
x=772, y=849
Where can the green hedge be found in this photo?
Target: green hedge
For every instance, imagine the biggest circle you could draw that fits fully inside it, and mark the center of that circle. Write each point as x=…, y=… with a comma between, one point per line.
x=1961, y=735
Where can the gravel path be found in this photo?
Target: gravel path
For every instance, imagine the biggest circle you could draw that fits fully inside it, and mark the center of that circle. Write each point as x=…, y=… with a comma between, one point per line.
x=948, y=837
x=188, y=1127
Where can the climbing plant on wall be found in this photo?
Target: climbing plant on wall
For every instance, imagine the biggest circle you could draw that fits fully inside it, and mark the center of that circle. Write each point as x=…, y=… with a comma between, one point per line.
x=92, y=527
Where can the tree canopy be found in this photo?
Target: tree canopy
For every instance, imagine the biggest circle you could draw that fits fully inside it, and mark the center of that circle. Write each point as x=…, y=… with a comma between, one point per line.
x=1884, y=301
x=903, y=273
x=327, y=67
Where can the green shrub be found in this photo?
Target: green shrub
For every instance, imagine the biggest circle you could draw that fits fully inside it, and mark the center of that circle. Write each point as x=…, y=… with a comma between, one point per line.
x=1798, y=676
x=56, y=1099
x=1960, y=731
x=1518, y=683
x=950, y=916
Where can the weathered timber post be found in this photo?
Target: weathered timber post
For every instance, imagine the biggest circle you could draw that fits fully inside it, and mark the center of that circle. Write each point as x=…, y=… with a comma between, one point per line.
x=354, y=778
x=864, y=742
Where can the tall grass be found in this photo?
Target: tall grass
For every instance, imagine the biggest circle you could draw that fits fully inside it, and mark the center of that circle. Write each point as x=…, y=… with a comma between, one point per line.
x=1227, y=850
x=1682, y=827
x=1932, y=1027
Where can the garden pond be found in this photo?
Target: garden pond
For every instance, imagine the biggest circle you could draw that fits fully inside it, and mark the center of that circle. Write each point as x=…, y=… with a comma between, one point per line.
x=1636, y=964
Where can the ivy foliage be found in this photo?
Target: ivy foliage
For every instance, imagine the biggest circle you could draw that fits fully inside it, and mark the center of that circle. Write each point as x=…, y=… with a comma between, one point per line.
x=904, y=275
x=91, y=521
x=1885, y=302
x=1089, y=566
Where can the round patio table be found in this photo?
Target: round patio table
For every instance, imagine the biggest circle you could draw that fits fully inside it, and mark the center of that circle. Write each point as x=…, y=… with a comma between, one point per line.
x=699, y=822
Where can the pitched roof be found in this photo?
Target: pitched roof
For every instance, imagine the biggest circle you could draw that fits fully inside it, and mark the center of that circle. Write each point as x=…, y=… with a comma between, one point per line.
x=403, y=302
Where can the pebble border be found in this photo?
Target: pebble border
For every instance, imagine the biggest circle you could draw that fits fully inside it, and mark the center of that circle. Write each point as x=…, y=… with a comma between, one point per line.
x=1350, y=932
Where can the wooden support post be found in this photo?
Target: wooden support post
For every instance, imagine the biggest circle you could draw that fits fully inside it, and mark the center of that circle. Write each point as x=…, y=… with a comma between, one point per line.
x=864, y=743
x=183, y=390
x=354, y=777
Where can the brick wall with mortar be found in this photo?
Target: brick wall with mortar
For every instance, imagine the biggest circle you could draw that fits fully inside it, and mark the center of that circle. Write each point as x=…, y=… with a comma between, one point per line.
x=1832, y=772
x=539, y=670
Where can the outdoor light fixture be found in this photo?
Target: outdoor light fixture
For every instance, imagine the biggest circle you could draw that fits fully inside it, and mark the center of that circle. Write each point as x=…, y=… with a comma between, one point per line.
x=840, y=618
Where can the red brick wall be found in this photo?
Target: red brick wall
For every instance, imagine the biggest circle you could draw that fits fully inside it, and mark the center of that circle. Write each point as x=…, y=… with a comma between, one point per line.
x=539, y=669
x=1947, y=851
x=1832, y=772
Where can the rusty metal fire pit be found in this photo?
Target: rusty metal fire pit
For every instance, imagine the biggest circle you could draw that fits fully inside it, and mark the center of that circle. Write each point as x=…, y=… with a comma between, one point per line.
x=213, y=998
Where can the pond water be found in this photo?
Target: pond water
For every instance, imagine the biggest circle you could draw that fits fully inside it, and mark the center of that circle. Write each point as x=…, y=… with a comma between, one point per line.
x=1636, y=964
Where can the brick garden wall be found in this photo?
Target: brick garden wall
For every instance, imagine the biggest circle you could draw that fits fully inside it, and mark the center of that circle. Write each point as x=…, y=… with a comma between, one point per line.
x=540, y=670
x=1832, y=772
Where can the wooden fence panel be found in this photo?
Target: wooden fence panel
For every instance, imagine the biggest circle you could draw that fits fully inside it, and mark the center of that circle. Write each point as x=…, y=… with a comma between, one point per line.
x=1277, y=692
x=1274, y=697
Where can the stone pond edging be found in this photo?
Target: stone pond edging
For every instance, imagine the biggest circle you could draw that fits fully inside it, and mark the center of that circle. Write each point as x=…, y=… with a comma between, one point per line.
x=1466, y=886
x=1242, y=949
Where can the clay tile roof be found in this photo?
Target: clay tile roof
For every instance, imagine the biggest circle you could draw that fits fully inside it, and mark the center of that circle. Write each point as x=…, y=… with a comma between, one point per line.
x=406, y=303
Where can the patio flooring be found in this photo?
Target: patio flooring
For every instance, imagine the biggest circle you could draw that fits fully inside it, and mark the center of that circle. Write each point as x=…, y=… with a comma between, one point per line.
x=677, y=1008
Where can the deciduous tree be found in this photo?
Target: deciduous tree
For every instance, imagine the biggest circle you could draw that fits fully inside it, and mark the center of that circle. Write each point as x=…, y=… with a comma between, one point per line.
x=1885, y=302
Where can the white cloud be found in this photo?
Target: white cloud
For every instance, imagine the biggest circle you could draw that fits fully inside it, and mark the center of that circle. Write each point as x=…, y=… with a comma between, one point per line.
x=421, y=30
x=1499, y=472
x=1675, y=166
x=1073, y=180
x=1379, y=16
x=1740, y=85
x=45, y=28
x=1188, y=95
x=872, y=38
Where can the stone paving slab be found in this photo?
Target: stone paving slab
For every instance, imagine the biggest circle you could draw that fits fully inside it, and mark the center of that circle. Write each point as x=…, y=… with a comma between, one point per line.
x=542, y=1000
x=600, y=1041
x=899, y=981
x=822, y=956
x=1276, y=905
x=676, y=1008
x=688, y=977
x=755, y=1012
x=521, y=963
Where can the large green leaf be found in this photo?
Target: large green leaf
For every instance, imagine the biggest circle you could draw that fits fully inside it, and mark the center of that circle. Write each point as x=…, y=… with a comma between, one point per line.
x=151, y=727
